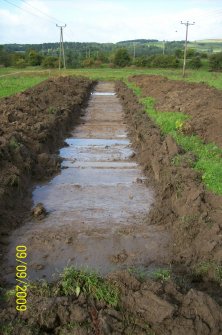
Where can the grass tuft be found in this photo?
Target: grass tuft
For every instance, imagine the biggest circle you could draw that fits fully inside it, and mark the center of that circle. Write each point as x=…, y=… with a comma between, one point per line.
x=74, y=281
x=202, y=270
x=161, y=274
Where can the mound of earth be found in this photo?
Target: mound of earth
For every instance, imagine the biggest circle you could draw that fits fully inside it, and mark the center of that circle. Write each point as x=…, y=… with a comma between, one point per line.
x=201, y=102
x=182, y=204
x=32, y=126
x=144, y=307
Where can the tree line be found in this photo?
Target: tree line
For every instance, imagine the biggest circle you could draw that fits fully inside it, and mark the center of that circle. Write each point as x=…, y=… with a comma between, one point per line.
x=140, y=53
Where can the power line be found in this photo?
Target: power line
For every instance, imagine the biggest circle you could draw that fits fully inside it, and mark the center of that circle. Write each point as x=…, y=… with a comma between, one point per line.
x=187, y=24
x=22, y=9
x=53, y=19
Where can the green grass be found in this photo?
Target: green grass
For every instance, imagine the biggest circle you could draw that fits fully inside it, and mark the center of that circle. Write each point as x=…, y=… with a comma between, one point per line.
x=162, y=274
x=31, y=76
x=75, y=281
x=202, y=269
x=208, y=156
x=14, y=84
x=210, y=78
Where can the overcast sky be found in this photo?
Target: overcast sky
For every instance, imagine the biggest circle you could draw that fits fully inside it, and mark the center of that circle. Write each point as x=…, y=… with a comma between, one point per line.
x=34, y=21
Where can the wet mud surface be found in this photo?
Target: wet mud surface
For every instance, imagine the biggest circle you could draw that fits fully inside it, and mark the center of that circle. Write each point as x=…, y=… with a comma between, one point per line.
x=144, y=227
x=96, y=206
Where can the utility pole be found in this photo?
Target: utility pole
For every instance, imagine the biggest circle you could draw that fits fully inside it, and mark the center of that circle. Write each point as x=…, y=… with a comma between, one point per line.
x=134, y=51
x=187, y=24
x=163, y=47
x=61, y=48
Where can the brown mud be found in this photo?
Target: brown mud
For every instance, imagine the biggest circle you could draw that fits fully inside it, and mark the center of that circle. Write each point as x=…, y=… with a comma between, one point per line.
x=188, y=214
x=184, y=206
x=32, y=127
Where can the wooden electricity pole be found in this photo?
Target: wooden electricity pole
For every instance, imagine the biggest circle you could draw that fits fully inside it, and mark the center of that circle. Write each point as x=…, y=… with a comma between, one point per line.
x=187, y=24
x=163, y=47
x=61, y=48
x=134, y=51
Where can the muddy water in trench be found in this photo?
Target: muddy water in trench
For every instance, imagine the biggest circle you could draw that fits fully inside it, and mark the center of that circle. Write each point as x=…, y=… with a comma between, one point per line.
x=96, y=205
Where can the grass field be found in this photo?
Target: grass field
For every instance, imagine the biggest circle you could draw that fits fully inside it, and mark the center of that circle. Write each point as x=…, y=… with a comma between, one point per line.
x=20, y=81
x=13, y=80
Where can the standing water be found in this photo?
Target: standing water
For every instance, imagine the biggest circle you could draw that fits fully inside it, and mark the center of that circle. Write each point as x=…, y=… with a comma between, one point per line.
x=96, y=205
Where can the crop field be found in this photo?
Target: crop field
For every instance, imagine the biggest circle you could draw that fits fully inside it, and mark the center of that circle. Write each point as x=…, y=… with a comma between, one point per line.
x=111, y=196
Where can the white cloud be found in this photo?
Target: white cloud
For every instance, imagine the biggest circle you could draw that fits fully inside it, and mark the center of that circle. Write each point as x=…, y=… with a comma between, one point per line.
x=104, y=21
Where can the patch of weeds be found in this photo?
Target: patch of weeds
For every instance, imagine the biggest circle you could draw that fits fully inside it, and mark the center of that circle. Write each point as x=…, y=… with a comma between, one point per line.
x=8, y=294
x=135, y=88
x=14, y=144
x=219, y=273
x=167, y=121
x=6, y=329
x=157, y=274
x=161, y=274
x=209, y=161
x=202, y=270
x=139, y=273
x=51, y=110
x=44, y=289
x=74, y=281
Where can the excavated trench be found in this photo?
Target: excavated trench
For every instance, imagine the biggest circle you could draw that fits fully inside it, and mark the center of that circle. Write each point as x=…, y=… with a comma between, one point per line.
x=96, y=205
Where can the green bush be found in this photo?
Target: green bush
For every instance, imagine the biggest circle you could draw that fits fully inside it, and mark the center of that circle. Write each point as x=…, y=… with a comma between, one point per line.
x=215, y=62
x=50, y=62
x=195, y=63
x=160, y=61
x=165, y=61
x=20, y=63
x=122, y=58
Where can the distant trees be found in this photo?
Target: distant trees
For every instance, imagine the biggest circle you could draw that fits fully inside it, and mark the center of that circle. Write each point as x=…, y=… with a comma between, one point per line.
x=122, y=57
x=50, y=62
x=34, y=58
x=148, y=53
x=215, y=62
x=179, y=53
x=158, y=61
x=5, y=57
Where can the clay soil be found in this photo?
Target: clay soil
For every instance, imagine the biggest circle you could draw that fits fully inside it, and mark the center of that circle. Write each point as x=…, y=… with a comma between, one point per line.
x=32, y=126
x=181, y=305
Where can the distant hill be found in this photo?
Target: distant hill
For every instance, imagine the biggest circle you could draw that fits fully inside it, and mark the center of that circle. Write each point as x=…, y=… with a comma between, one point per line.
x=210, y=41
x=142, y=41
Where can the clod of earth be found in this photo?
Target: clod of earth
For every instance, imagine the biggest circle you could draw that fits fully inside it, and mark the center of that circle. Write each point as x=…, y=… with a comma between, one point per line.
x=39, y=211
